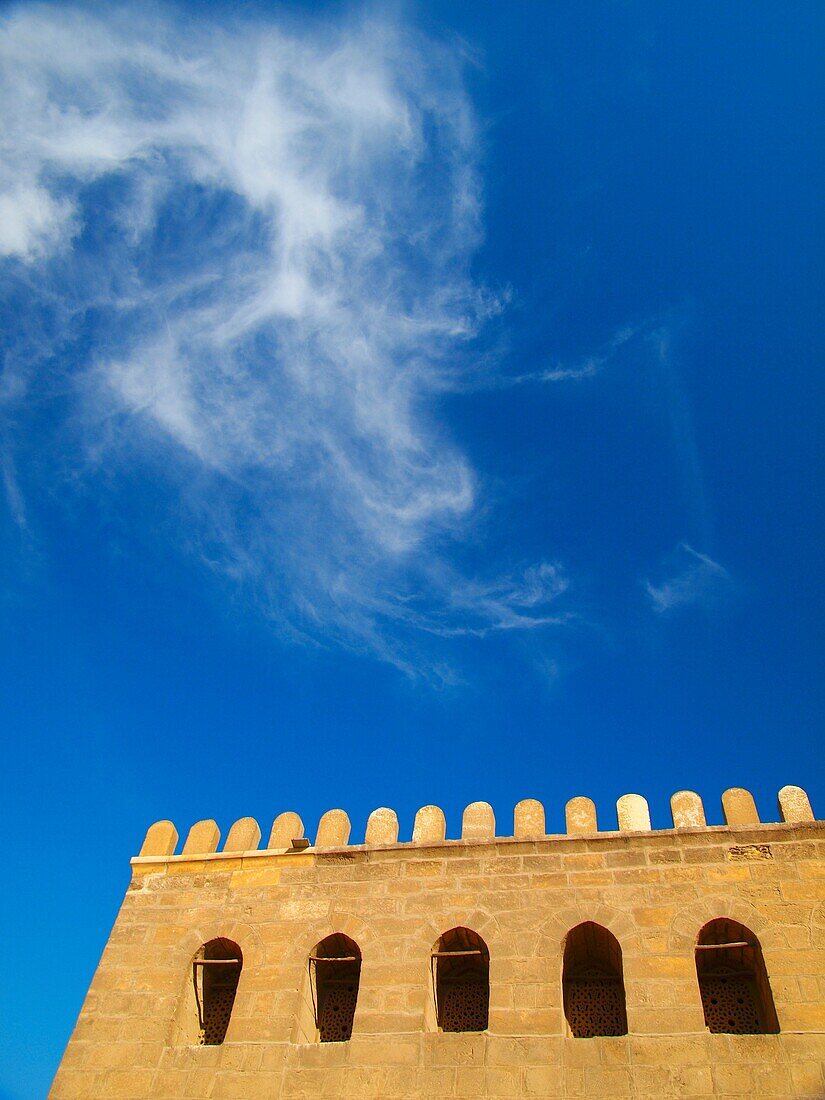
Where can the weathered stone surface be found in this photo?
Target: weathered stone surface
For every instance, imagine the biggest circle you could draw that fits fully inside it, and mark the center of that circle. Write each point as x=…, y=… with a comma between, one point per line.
x=203, y=838
x=633, y=813
x=430, y=825
x=244, y=836
x=478, y=822
x=285, y=828
x=653, y=891
x=794, y=805
x=688, y=811
x=382, y=827
x=333, y=830
x=161, y=839
x=580, y=815
x=528, y=818
x=739, y=807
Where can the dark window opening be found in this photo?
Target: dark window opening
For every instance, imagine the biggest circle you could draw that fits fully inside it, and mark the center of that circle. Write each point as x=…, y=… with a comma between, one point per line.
x=215, y=974
x=336, y=962
x=733, y=982
x=592, y=982
x=461, y=975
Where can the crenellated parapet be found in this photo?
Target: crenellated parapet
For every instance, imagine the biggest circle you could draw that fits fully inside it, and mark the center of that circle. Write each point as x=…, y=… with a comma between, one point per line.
x=478, y=825
x=480, y=956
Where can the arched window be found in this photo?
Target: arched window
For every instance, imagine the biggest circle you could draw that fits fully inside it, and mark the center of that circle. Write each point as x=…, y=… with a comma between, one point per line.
x=334, y=975
x=216, y=970
x=733, y=982
x=461, y=981
x=592, y=982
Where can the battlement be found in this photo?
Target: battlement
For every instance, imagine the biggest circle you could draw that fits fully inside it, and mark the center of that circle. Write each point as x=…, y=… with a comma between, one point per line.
x=611, y=960
x=478, y=825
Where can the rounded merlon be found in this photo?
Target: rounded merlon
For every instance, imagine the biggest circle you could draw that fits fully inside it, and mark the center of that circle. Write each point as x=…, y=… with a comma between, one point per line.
x=528, y=818
x=580, y=815
x=244, y=836
x=382, y=827
x=739, y=807
x=333, y=830
x=285, y=828
x=203, y=838
x=794, y=805
x=430, y=825
x=161, y=839
x=478, y=822
x=633, y=813
x=687, y=810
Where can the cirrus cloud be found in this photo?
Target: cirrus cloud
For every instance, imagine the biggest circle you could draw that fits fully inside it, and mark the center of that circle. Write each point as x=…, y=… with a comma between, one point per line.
x=245, y=251
x=694, y=578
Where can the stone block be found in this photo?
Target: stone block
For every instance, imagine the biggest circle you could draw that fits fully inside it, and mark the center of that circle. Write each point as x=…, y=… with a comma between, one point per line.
x=739, y=807
x=382, y=827
x=333, y=830
x=161, y=839
x=687, y=810
x=580, y=815
x=203, y=838
x=478, y=822
x=604, y=1081
x=244, y=836
x=794, y=805
x=430, y=825
x=503, y=1083
x=807, y=1081
x=528, y=819
x=633, y=813
x=132, y=1083
x=285, y=828
x=470, y=1082
x=544, y=1081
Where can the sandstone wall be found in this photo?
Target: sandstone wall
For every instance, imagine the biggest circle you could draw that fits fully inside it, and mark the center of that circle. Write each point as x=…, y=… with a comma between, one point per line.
x=653, y=890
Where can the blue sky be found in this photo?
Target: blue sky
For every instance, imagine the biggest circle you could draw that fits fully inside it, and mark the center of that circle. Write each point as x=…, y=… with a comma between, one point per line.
x=399, y=405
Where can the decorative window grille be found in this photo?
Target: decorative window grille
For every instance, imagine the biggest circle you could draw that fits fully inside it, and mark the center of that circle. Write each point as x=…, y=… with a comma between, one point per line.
x=461, y=979
x=593, y=986
x=215, y=975
x=733, y=983
x=335, y=973
x=730, y=1001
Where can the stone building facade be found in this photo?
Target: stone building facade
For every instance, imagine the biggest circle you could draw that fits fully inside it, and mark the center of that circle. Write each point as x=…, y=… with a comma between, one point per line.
x=683, y=962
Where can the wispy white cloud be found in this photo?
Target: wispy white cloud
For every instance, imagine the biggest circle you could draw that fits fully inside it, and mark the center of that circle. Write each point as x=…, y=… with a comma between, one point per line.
x=511, y=602
x=590, y=366
x=11, y=490
x=694, y=579
x=676, y=405
x=254, y=244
